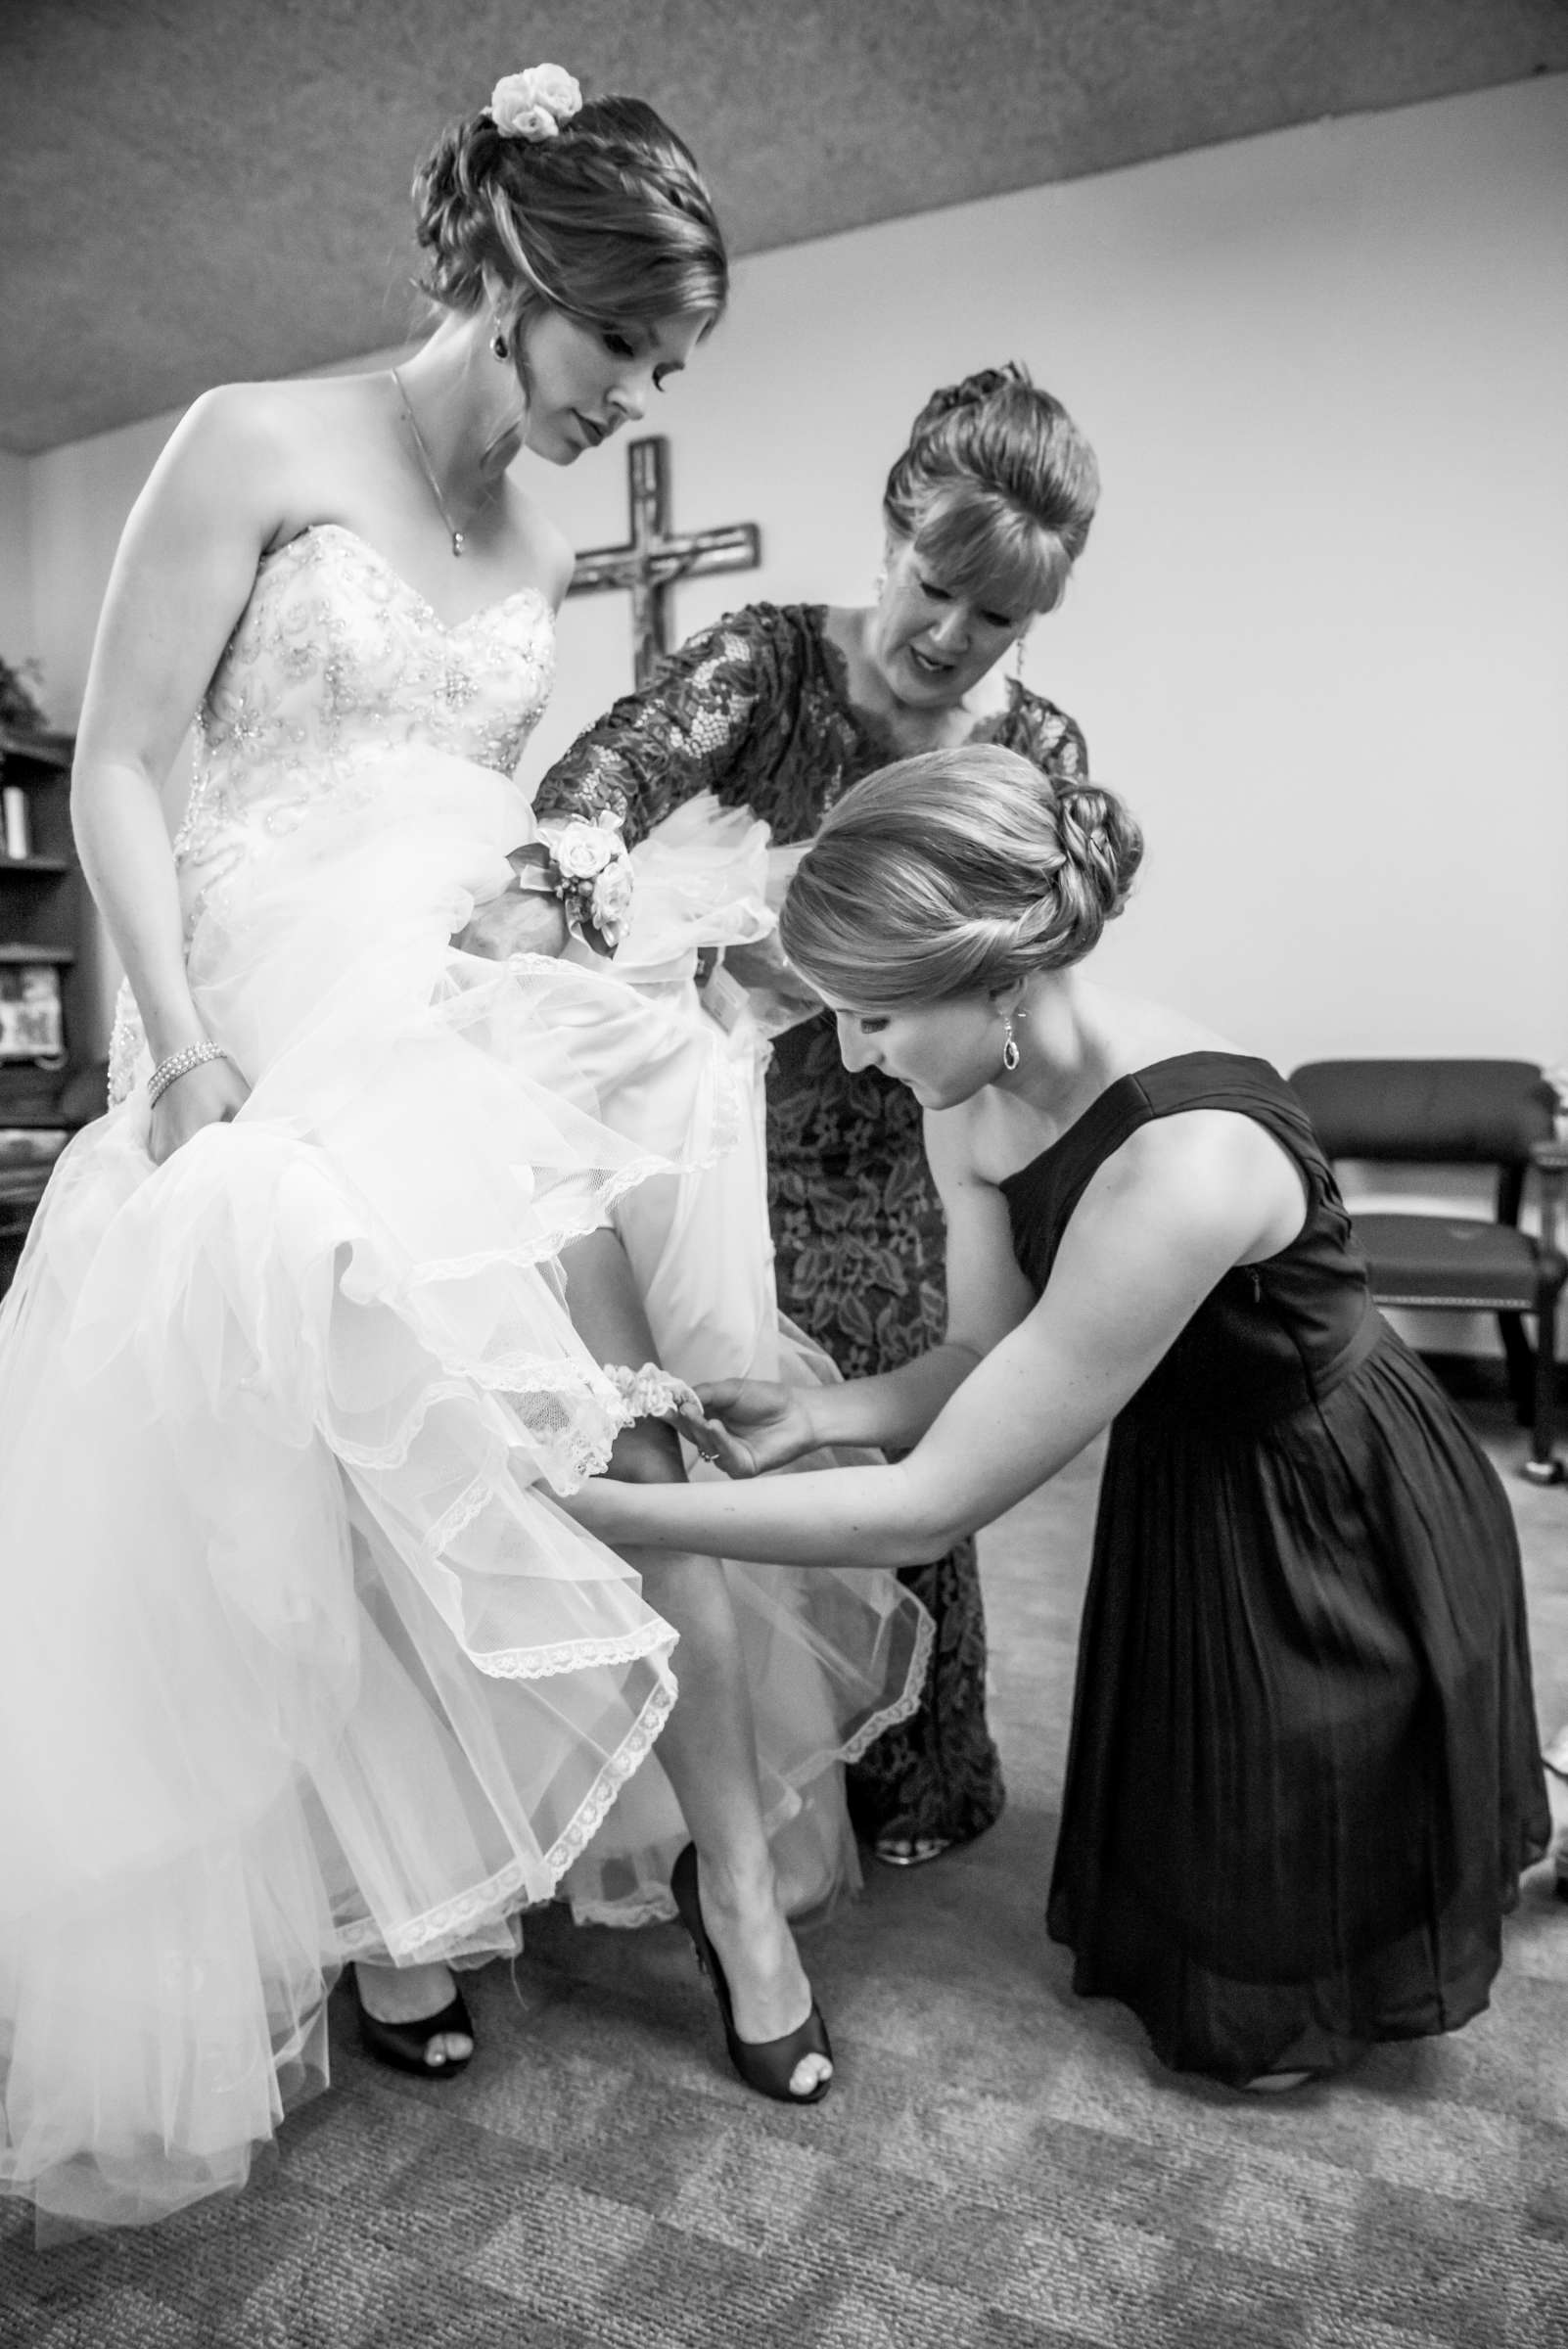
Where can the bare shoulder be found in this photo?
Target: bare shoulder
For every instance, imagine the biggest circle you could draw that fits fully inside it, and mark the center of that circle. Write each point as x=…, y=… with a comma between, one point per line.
x=221, y=483
x=284, y=418
x=242, y=424
x=253, y=448
x=1214, y=1175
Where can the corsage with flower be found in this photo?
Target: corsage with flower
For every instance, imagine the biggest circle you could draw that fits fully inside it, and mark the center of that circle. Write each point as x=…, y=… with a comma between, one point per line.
x=535, y=104
x=586, y=864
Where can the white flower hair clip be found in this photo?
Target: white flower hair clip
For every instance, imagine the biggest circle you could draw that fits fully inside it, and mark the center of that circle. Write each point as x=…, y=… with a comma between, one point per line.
x=534, y=104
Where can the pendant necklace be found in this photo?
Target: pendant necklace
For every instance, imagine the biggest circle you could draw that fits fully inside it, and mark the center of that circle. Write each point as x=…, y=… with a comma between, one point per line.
x=429, y=467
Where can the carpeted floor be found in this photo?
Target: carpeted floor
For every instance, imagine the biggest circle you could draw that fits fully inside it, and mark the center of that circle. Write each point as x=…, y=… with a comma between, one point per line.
x=1001, y=2166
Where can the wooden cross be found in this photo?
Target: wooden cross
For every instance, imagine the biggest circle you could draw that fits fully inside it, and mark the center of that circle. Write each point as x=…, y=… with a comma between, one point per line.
x=656, y=557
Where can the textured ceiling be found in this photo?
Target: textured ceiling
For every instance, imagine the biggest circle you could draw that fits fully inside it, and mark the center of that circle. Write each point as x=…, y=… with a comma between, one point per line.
x=197, y=190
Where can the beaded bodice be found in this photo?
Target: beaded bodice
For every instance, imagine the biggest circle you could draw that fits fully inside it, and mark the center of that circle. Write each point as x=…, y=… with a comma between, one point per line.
x=336, y=661
x=335, y=666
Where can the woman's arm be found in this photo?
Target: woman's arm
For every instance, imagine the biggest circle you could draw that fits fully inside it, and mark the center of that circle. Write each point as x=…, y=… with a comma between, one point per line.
x=183, y=573
x=687, y=731
x=756, y=1426
x=1162, y=1221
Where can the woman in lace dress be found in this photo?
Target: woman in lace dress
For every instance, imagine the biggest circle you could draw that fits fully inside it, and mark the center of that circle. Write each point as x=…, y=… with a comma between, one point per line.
x=299, y=1661
x=1303, y=1779
x=779, y=709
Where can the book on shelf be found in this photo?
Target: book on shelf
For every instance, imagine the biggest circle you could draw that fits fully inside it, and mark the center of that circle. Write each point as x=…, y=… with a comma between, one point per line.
x=16, y=823
x=31, y=1145
x=32, y=1023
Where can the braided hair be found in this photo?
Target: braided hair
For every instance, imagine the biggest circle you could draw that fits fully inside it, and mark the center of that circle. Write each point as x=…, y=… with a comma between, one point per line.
x=610, y=222
x=954, y=872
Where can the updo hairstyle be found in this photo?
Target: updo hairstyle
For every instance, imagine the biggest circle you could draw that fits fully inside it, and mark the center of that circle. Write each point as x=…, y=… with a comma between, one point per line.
x=610, y=222
x=955, y=872
x=995, y=491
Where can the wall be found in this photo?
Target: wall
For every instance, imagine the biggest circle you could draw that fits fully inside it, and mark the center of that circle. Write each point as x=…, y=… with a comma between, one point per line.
x=1318, y=634
x=81, y=494
x=16, y=560
x=1317, y=637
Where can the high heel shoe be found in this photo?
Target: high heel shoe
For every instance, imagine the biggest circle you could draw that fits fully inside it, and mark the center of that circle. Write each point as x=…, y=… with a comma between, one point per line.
x=403, y=2045
x=910, y=1850
x=765, y=2065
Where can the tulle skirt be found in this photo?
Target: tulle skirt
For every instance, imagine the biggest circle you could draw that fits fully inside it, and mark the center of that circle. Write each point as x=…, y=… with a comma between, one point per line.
x=299, y=1657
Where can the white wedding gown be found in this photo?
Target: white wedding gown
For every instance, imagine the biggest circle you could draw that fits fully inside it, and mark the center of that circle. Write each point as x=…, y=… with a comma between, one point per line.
x=298, y=1658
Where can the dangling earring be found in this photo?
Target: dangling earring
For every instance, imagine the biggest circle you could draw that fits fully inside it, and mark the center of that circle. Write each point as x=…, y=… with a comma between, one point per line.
x=499, y=340
x=1018, y=656
x=1010, y=1051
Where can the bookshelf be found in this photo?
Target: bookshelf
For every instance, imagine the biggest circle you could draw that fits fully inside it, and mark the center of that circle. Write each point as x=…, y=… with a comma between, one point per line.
x=42, y=1022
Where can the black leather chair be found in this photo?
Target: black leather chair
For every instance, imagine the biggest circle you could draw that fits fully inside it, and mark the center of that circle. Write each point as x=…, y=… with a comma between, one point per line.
x=1490, y=1113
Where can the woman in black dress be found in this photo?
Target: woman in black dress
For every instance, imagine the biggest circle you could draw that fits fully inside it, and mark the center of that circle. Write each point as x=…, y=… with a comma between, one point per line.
x=1302, y=1777
x=780, y=710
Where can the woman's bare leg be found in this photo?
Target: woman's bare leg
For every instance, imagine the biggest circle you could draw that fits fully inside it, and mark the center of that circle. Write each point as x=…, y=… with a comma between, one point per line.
x=709, y=1745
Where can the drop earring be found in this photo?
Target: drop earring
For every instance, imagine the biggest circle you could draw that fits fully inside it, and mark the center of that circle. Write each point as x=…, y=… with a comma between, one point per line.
x=1018, y=656
x=1010, y=1051
x=498, y=343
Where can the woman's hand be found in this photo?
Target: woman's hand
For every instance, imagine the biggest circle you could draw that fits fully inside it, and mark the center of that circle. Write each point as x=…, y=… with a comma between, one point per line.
x=210, y=1094
x=752, y=1425
x=520, y=921
x=762, y=963
x=763, y=966
x=778, y=996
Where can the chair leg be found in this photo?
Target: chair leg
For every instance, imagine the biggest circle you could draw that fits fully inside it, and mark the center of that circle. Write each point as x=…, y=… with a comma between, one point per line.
x=1544, y=1466
x=1519, y=1356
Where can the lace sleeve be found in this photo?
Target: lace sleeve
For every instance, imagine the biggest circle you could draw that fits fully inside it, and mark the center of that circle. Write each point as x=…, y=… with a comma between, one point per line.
x=687, y=732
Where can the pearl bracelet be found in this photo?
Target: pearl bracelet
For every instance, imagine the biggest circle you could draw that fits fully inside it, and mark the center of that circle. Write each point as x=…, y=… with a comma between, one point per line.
x=180, y=1064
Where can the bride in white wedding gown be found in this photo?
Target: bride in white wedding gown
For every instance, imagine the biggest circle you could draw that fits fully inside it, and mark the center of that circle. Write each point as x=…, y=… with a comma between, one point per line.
x=299, y=1661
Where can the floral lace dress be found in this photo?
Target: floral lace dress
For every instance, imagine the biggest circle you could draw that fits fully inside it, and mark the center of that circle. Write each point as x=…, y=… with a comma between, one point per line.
x=756, y=710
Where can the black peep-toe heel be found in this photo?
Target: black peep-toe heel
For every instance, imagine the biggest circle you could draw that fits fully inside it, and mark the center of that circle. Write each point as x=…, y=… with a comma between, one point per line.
x=765, y=2065
x=403, y=2045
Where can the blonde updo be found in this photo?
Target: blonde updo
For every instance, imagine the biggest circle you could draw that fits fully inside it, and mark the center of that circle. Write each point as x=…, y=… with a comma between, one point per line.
x=995, y=491
x=610, y=222
x=955, y=872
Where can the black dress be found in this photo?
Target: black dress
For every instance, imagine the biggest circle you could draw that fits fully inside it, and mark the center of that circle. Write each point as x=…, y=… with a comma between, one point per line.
x=756, y=709
x=1302, y=1778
